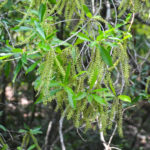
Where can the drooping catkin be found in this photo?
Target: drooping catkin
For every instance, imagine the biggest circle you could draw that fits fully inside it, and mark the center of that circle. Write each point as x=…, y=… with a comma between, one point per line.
x=120, y=131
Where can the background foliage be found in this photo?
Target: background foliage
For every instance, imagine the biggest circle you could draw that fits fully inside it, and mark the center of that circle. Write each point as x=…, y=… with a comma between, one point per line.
x=86, y=60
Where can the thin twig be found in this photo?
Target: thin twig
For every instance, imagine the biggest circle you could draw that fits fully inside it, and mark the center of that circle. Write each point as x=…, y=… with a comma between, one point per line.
x=93, y=6
x=115, y=148
x=113, y=133
x=57, y=139
x=81, y=136
x=47, y=133
x=10, y=38
x=116, y=16
x=132, y=20
x=100, y=6
x=102, y=136
x=108, y=11
x=128, y=108
x=60, y=130
x=71, y=36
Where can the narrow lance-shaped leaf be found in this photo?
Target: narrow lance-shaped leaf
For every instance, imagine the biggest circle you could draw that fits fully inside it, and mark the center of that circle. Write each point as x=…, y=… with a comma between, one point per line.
x=7, y=69
x=100, y=90
x=40, y=30
x=87, y=11
x=22, y=131
x=52, y=1
x=3, y=128
x=67, y=73
x=32, y=67
x=17, y=50
x=21, y=28
x=35, y=141
x=80, y=73
x=24, y=58
x=99, y=99
x=128, y=18
x=125, y=98
x=105, y=55
x=17, y=69
x=70, y=93
x=83, y=37
x=31, y=147
x=89, y=98
x=5, y=55
x=42, y=10
x=80, y=96
x=36, y=130
x=53, y=92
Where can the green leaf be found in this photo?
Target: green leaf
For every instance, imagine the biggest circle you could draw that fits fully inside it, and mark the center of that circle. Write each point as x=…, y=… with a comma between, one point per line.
x=127, y=36
x=24, y=58
x=89, y=15
x=136, y=99
x=21, y=28
x=5, y=147
x=39, y=30
x=100, y=90
x=39, y=99
x=56, y=41
x=52, y=1
x=34, y=56
x=19, y=148
x=3, y=128
x=78, y=41
x=7, y=69
x=93, y=44
x=83, y=37
x=36, y=130
x=67, y=73
x=111, y=44
x=53, y=92
x=80, y=73
x=42, y=10
x=80, y=96
x=125, y=98
x=87, y=11
x=17, y=69
x=90, y=98
x=35, y=141
x=44, y=46
x=50, y=36
x=34, y=12
x=32, y=67
x=70, y=93
x=31, y=147
x=113, y=38
x=108, y=94
x=17, y=50
x=128, y=18
x=5, y=55
x=22, y=131
x=55, y=84
x=99, y=99
x=105, y=56
x=100, y=37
